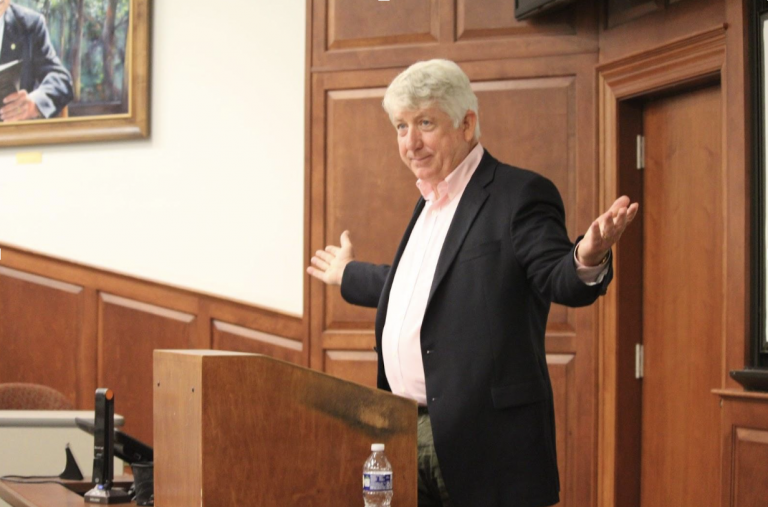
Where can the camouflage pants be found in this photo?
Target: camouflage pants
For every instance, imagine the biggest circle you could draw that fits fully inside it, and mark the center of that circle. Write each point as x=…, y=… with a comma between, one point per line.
x=432, y=492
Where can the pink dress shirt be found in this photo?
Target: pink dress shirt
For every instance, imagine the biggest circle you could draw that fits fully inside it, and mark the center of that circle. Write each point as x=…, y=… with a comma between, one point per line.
x=401, y=341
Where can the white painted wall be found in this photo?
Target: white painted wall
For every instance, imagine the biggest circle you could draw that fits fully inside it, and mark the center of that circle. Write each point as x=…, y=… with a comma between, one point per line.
x=214, y=200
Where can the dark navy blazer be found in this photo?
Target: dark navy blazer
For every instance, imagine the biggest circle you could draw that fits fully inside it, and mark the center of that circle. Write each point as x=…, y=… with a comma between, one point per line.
x=506, y=258
x=26, y=38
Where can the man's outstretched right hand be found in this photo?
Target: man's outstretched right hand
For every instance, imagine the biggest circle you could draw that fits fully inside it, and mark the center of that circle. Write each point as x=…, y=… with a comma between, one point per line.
x=19, y=106
x=328, y=265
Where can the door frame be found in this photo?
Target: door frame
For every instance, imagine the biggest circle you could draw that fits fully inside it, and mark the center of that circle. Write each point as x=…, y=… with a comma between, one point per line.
x=681, y=64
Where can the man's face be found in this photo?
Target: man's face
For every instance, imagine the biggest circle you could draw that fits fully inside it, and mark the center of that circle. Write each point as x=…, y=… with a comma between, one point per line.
x=429, y=144
x=4, y=6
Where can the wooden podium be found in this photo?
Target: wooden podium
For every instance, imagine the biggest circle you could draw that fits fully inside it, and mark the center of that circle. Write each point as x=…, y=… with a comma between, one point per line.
x=246, y=429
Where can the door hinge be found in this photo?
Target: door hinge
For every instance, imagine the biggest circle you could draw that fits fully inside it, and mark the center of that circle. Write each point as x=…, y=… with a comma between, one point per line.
x=639, y=360
x=640, y=152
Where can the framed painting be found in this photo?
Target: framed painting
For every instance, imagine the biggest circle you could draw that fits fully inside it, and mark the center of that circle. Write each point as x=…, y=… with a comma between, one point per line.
x=74, y=71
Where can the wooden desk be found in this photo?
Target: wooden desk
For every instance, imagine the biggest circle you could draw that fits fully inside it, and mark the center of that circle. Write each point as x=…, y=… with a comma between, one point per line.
x=32, y=442
x=50, y=495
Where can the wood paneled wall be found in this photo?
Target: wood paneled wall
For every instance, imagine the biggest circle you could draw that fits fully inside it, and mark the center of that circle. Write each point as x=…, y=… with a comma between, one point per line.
x=76, y=328
x=532, y=113
x=354, y=35
x=535, y=82
x=45, y=332
x=744, y=440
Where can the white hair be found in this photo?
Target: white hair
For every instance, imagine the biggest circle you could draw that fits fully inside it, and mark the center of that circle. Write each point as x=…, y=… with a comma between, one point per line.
x=434, y=82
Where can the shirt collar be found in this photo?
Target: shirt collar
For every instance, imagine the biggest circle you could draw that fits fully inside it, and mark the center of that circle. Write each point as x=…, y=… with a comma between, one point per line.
x=455, y=183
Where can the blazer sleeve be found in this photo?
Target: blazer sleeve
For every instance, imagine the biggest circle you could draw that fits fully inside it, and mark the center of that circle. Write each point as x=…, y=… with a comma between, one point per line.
x=541, y=245
x=363, y=282
x=55, y=89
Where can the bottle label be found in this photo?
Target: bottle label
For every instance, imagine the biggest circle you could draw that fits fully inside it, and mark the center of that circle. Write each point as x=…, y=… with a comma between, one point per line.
x=377, y=481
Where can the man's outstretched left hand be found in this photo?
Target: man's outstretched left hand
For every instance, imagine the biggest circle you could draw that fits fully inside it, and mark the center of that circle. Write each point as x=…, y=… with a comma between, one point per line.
x=606, y=231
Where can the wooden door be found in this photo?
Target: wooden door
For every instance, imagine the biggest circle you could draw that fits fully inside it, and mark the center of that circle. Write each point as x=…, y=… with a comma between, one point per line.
x=683, y=291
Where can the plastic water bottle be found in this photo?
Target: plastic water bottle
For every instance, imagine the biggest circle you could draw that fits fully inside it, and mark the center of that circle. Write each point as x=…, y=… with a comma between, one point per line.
x=377, y=478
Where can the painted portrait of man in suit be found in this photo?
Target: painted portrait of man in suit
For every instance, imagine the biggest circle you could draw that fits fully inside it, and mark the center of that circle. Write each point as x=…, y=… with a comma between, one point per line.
x=72, y=57
x=46, y=86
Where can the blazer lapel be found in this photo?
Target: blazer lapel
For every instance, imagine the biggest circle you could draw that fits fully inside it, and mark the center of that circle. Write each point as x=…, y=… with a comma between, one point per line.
x=471, y=202
x=381, y=312
x=11, y=48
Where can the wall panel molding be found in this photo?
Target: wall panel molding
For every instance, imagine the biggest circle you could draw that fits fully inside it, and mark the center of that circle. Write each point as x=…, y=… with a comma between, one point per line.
x=350, y=35
x=42, y=333
x=353, y=24
x=562, y=371
x=744, y=437
x=98, y=329
x=147, y=308
x=496, y=19
x=40, y=280
x=353, y=365
x=228, y=336
x=650, y=25
x=129, y=332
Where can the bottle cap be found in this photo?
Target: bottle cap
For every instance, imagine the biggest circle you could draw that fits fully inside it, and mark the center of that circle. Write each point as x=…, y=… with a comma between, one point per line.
x=377, y=447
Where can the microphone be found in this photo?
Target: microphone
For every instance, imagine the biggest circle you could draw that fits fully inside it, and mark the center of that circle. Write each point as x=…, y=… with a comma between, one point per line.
x=104, y=452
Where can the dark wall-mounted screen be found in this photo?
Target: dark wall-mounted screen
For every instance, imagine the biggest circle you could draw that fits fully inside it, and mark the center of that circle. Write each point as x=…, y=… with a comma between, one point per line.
x=527, y=8
x=763, y=148
x=759, y=71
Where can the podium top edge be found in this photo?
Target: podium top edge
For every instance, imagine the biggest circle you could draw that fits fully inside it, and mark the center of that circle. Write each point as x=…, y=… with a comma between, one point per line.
x=204, y=352
x=198, y=358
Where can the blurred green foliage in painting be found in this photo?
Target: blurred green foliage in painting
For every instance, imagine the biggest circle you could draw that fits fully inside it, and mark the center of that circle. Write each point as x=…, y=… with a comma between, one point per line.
x=90, y=38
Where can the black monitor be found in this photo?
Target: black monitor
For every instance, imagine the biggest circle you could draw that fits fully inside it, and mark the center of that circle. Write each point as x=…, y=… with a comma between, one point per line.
x=525, y=9
x=126, y=447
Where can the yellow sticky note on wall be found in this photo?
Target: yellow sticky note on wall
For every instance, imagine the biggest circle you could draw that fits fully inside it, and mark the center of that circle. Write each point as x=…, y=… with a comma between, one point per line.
x=29, y=157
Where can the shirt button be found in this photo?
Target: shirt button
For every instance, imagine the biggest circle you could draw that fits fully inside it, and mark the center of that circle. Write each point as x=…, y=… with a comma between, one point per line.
x=432, y=399
x=429, y=351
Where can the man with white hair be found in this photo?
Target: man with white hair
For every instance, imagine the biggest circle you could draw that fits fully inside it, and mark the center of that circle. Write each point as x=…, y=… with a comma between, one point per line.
x=462, y=310
x=45, y=84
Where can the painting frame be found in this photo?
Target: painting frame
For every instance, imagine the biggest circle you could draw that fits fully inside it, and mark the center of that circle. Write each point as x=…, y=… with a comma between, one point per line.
x=134, y=124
